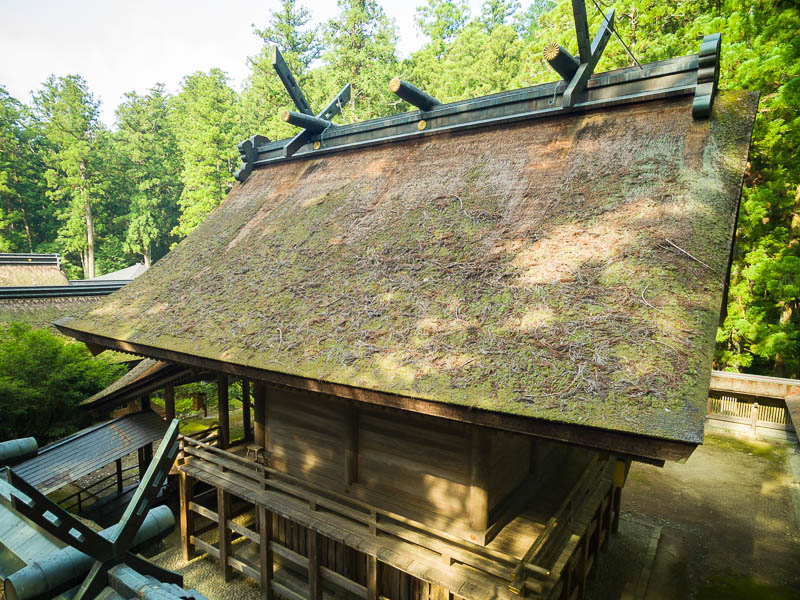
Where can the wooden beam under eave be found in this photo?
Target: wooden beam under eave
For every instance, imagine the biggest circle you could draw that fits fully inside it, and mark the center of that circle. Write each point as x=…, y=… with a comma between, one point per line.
x=94, y=349
x=246, y=425
x=259, y=414
x=642, y=447
x=223, y=414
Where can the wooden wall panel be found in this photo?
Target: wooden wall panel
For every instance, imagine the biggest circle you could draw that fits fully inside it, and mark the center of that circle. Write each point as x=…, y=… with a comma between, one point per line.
x=306, y=435
x=509, y=464
x=419, y=462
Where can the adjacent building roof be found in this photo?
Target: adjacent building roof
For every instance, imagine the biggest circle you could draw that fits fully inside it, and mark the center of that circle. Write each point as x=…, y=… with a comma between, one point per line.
x=125, y=274
x=147, y=376
x=90, y=449
x=565, y=271
x=31, y=270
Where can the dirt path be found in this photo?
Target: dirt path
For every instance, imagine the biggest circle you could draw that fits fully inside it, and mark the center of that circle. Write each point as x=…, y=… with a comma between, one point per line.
x=727, y=522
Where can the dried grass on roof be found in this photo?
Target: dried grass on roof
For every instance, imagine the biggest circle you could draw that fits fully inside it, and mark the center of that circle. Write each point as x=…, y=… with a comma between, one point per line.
x=36, y=275
x=541, y=268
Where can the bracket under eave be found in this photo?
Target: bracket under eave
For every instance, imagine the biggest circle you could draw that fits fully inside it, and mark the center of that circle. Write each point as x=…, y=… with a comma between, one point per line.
x=708, y=59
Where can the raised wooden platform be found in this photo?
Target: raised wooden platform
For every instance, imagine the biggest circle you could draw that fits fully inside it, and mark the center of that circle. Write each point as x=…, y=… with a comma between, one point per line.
x=545, y=549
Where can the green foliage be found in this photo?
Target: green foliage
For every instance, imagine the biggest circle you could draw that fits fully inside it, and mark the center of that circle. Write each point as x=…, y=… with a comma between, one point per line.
x=42, y=380
x=203, y=119
x=75, y=175
x=69, y=186
x=149, y=147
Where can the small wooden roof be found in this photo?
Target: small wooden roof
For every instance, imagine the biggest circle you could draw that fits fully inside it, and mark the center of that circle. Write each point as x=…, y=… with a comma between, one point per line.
x=561, y=276
x=90, y=449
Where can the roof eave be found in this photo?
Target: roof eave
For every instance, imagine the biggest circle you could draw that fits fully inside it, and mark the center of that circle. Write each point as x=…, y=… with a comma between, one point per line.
x=639, y=447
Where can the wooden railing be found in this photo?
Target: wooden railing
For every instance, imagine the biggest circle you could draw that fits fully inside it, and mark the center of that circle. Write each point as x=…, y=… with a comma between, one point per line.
x=249, y=480
x=119, y=482
x=733, y=407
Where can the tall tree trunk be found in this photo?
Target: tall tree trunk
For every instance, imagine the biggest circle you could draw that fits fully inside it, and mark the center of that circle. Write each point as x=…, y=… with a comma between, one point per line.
x=88, y=271
x=27, y=225
x=148, y=255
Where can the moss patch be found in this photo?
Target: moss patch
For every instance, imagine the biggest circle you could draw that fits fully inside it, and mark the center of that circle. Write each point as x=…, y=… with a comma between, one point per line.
x=539, y=268
x=736, y=587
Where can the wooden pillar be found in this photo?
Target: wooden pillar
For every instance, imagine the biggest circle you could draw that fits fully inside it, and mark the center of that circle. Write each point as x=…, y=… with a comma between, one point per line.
x=222, y=411
x=479, y=479
x=351, y=446
x=118, y=464
x=144, y=402
x=265, y=529
x=260, y=414
x=754, y=419
x=372, y=577
x=145, y=455
x=224, y=514
x=185, y=486
x=169, y=402
x=246, y=409
x=314, y=584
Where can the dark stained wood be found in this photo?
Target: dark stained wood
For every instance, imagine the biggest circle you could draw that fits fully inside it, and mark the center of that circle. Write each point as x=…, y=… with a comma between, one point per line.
x=118, y=467
x=223, y=411
x=314, y=584
x=648, y=449
x=581, y=29
x=246, y=408
x=259, y=413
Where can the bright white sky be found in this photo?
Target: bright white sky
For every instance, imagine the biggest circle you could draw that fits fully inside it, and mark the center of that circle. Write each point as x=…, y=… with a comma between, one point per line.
x=121, y=46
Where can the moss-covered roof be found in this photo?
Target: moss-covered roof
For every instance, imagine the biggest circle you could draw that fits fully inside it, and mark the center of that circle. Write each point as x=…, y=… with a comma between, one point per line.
x=568, y=269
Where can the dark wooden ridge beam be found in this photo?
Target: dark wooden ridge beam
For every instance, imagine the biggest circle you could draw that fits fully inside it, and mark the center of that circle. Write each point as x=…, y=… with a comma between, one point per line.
x=282, y=69
x=654, y=81
x=577, y=84
x=412, y=94
x=561, y=61
x=620, y=443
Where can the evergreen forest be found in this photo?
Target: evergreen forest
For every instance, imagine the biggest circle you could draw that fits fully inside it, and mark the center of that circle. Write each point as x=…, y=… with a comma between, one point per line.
x=105, y=198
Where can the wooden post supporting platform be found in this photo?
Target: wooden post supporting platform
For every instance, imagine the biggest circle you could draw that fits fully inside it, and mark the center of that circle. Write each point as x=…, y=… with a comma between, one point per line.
x=314, y=583
x=246, y=409
x=372, y=577
x=169, y=402
x=265, y=531
x=222, y=412
x=186, y=485
x=479, y=484
x=224, y=514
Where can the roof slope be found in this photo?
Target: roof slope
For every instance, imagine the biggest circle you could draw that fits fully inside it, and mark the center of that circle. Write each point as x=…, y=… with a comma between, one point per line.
x=90, y=449
x=17, y=275
x=540, y=268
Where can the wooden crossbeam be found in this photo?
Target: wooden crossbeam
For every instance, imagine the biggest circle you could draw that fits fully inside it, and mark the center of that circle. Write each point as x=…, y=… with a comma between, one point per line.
x=582, y=29
x=578, y=82
x=330, y=111
x=288, y=80
x=412, y=94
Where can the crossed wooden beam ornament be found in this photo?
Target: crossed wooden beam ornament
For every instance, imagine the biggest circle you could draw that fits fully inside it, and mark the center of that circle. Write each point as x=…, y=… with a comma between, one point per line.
x=576, y=71
x=115, y=550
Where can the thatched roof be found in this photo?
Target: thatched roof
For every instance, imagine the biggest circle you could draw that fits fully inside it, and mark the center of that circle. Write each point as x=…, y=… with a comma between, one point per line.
x=568, y=269
x=18, y=275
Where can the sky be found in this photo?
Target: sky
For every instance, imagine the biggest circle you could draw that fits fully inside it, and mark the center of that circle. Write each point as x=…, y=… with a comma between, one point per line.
x=119, y=46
